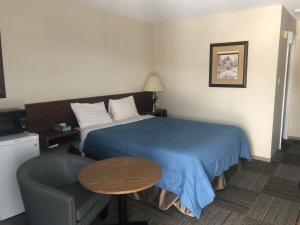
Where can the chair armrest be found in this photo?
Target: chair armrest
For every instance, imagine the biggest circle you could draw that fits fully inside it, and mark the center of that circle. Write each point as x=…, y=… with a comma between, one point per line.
x=43, y=202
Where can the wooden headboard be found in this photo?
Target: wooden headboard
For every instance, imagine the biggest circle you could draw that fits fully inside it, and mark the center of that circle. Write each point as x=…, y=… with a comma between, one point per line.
x=42, y=116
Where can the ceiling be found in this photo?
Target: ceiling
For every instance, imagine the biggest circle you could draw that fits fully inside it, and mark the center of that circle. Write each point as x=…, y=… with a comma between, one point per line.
x=162, y=10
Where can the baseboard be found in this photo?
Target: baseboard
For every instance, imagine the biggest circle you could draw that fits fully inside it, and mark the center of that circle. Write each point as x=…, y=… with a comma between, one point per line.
x=261, y=158
x=294, y=138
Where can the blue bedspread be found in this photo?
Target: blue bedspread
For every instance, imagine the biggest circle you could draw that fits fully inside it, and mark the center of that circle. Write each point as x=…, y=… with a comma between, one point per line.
x=191, y=154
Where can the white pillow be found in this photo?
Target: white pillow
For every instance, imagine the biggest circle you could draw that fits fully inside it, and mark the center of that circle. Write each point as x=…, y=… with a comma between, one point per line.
x=90, y=114
x=123, y=108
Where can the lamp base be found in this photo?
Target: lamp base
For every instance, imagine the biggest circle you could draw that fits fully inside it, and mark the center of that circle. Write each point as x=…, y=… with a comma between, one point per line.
x=154, y=99
x=154, y=109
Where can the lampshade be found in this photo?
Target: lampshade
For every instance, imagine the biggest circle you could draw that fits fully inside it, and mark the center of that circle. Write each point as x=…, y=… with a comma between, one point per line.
x=153, y=84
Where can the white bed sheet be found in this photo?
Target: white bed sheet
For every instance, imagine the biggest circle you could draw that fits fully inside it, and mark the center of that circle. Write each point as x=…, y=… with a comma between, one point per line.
x=84, y=132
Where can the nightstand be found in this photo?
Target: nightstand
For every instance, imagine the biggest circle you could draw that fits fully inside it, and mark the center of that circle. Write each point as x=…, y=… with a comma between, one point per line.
x=158, y=113
x=52, y=139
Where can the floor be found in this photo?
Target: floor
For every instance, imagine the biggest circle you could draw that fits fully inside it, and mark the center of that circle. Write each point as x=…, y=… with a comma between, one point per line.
x=260, y=194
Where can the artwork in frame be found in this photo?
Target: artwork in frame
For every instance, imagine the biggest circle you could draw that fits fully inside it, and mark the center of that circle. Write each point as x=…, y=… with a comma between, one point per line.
x=228, y=64
x=2, y=84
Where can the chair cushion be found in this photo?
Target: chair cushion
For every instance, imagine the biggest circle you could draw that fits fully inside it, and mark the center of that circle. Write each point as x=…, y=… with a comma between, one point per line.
x=84, y=200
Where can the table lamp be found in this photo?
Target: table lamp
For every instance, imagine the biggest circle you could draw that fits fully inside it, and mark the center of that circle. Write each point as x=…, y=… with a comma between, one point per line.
x=154, y=84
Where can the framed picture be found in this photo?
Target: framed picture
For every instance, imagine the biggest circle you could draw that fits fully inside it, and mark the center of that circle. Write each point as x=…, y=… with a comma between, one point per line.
x=228, y=64
x=2, y=84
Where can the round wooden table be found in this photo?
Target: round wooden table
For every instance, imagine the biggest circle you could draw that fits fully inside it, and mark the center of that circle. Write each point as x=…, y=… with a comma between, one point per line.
x=120, y=176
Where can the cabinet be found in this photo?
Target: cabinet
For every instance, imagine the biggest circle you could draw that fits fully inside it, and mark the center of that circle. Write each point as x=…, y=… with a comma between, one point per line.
x=158, y=112
x=52, y=138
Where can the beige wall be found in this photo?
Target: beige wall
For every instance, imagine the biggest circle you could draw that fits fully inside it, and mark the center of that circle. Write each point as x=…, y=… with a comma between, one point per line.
x=182, y=57
x=288, y=23
x=294, y=123
x=55, y=50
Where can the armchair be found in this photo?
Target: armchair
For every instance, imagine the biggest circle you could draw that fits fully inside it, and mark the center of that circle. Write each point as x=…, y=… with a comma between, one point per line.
x=52, y=194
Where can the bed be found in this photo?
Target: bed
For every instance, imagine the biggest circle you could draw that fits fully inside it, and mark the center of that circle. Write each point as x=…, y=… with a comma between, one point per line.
x=191, y=154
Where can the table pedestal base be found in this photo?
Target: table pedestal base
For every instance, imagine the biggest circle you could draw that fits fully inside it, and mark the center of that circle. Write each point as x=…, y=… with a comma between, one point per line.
x=123, y=213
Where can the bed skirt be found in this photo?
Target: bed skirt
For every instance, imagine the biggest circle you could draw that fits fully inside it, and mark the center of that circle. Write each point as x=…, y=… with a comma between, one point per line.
x=164, y=199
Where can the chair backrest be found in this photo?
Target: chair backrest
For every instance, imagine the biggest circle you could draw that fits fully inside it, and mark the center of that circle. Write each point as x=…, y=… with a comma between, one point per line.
x=49, y=169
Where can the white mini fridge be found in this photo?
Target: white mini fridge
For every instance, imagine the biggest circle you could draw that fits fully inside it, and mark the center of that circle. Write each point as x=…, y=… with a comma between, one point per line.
x=14, y=150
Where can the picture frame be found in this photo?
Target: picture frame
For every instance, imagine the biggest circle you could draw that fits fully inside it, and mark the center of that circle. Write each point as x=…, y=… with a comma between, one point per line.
x=2, y=81
x=228, y=64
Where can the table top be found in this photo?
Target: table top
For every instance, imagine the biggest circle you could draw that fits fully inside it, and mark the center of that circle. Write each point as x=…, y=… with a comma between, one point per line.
x=122, y=175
